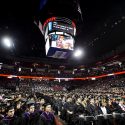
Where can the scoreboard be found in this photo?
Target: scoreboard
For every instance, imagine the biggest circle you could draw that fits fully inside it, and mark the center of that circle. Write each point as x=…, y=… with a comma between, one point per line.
x=59, y=36
x=60, y=24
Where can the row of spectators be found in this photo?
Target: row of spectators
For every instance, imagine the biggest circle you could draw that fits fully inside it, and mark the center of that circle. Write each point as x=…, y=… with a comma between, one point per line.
x=98, y=102
x=65, y=73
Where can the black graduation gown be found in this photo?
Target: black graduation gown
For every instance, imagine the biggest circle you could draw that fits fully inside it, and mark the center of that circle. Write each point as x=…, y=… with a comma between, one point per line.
x=79, y=110
x=31, y=118
x=40, y=112
x=92, y=110
x=18, y=112
x=47, y=119
x=117, y=109
x=57, y=106
x=69, y=117
x=11, y=121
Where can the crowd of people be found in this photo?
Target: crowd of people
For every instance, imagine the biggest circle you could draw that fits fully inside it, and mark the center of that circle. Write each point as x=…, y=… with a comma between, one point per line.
x=93, y=102
x=50, y=71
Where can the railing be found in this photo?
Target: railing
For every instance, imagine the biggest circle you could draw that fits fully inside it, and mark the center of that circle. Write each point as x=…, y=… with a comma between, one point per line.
x=108, y=119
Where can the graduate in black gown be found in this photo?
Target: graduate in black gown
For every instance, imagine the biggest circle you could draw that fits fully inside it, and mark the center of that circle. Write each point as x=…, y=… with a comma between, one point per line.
x=10, y=118
x=2, y=112
x=69, y=108
x=47, y=117
x=3, y=107
x=31, y=117
x=18, y=109
x=79, y=112
x=40, y=105
x=92, y=108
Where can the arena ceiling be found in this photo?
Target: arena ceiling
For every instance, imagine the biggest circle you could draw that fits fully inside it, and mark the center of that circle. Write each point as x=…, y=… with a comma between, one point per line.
x=100, y=31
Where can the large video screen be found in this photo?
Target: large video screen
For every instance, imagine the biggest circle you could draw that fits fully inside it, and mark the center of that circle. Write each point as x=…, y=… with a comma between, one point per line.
x=58, y=26
x=62, y=41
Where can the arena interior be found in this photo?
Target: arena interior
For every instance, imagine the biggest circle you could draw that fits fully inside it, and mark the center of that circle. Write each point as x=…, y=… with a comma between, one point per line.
x=62, y=62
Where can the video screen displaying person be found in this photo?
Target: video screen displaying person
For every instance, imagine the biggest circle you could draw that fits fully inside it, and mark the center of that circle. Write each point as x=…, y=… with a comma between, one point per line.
x=63, y=42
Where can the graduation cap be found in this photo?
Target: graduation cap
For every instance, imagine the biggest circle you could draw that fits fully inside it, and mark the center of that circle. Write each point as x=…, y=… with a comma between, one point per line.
x=30, y=103
x=7, y=98
x=118, y=98
x=11, y=107
x=30, y=96
x=41, y=97
x=3, y=105
x=46, y=104
x=23, y=99
x=18, y=102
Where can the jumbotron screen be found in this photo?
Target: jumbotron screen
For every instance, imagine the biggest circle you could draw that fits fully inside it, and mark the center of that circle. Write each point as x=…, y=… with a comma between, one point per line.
x=62, y=42
x=59, y=46
x=58, y=26
x=59, y=36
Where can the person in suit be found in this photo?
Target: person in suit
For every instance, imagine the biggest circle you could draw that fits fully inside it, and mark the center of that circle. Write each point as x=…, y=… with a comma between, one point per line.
x=122, y=106
x=103, y=109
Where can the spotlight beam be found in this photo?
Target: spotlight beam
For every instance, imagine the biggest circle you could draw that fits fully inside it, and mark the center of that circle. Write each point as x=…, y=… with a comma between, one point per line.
x=78, y=53
x=7, y=42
